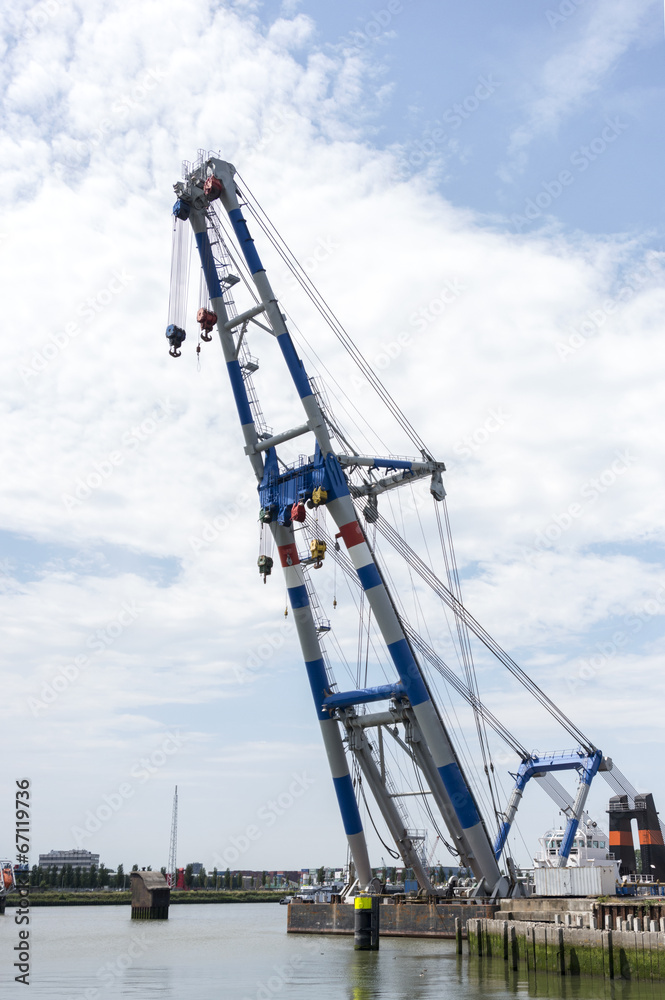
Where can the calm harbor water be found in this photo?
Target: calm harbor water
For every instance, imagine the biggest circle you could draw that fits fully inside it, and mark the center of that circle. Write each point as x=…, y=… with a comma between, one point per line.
x=242, y=952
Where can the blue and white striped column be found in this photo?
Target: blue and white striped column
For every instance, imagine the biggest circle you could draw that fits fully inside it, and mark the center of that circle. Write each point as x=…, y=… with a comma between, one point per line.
x=479, y=848
x=318, y=680
x=233, y=369
x=293, y=571
x=225, y=173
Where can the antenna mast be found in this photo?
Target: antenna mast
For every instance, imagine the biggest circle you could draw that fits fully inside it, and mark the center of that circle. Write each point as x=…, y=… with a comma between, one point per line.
x=172, y=873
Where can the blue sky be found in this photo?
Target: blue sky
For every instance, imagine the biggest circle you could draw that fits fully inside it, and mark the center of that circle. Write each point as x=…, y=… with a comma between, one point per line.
x=485, y=182
x=432, y=58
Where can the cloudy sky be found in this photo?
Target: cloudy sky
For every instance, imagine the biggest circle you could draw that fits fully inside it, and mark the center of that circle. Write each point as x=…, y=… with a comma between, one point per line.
x=477, y=191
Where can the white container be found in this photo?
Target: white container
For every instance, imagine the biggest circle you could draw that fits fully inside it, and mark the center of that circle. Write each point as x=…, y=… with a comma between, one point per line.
x=598, y=880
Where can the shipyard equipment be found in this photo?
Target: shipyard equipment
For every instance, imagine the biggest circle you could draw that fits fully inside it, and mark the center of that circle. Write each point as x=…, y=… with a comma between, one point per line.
x=324, y=507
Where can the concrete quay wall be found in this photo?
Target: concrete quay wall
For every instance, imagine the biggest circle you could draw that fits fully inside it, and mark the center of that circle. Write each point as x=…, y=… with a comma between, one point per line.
x=569, y=951
x=397, y=919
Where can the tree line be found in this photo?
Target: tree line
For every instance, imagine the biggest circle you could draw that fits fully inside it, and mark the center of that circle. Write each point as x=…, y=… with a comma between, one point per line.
x=69, y=877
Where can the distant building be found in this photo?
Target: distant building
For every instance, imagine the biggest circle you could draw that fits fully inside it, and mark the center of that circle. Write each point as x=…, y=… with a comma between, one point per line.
x=77, y=859
x=196, y=868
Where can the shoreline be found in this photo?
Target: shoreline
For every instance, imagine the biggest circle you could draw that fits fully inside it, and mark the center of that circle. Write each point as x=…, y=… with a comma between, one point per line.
x=123, y=898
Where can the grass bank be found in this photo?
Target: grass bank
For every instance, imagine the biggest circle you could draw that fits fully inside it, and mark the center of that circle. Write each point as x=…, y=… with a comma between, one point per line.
x=124, y=898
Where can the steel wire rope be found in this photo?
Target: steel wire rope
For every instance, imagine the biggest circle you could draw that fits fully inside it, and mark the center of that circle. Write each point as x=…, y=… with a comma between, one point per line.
x=393, y=853
x=462, y=749
x=390, y=781
x=180, y=272
x=304, y=343
x=468, y=762
x=378, y=653
x=407, y=784
x=452, y=600
x=309, y=350
x=317, y=299
x=440, y=588
x=436, y=661
x=468, y=767
x=467, y=653
x=470, y=687
x=418, y=775
x=387, y=399
x=425, y=804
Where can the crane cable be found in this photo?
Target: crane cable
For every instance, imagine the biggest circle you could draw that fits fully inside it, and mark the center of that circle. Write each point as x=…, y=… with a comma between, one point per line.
x=393, y=537
x=329, y=316
x=430, y=578
x=467, y=655
x=436, y=661
x=452, y=572
x=449, y=597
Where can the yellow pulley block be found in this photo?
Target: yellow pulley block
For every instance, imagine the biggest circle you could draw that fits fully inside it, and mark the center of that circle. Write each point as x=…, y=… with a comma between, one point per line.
x=317, y=549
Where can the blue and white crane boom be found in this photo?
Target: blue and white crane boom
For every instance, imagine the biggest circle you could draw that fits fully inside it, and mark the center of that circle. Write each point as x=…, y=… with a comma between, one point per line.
x=329, y=479
x=280, y=491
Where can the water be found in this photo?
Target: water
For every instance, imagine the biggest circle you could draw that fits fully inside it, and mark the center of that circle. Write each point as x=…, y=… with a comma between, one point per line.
x=242, y=952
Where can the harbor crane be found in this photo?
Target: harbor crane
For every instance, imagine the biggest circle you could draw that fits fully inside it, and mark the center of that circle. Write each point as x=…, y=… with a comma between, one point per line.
x=325, y=506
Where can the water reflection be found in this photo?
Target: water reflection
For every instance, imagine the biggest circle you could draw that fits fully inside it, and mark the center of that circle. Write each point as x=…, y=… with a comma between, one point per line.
x=242, y=952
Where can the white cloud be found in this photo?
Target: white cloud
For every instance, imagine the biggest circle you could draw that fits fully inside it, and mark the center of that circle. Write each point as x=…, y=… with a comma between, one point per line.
x=578, y=69
x=88, y=161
